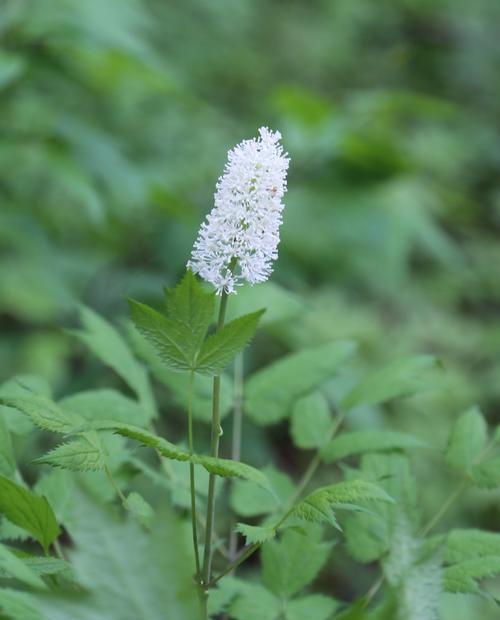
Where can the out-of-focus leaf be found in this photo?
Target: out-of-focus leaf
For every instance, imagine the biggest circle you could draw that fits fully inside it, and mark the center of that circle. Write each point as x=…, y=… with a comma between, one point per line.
x=311, y=421
x=358, y=442
x=467, y=441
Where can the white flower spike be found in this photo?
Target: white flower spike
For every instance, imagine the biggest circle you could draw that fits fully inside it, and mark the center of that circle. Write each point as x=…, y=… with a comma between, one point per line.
x=239, y=240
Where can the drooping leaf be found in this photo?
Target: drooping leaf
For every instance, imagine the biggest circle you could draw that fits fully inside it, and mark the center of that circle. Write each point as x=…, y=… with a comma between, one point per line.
x=467, y=441
x=271, y=392
x=358, y=442
x=463, y=577
x=13, y=566
x=28, y=511
x=487, y=474
x=294, y=561
x=44, y=413
x=85, y=453
x=231, y=469
x=401, y=378
x=109, y=346
x=222, y=347
x=319, y=505
x=311, y=421
x=140, y=508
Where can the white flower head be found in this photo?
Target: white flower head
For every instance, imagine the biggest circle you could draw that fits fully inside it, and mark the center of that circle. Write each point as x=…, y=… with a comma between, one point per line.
x=239, y=240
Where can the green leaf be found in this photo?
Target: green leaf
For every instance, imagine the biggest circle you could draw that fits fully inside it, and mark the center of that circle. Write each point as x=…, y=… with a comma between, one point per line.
x=401, y=378
x=250, y=500
x=463, y=577
x=105, y=404
x=140, y=508
x=311, y=421
x=468, y=544
x=255, y=533
x=319, y=505
x=7, y=459
x=255, y=602
x=28, y=511
x=231, y=469
x=19, y=605
x=487, y=474
x=467, y=441
x=44, y=413
x=358, y=442
x=222, y=347
x=82, y=454
x=109, y=346
x=312, y=607
x=280, y=304
x=126, y=573
x=271, y=392
x=188, y=303
x=15, y=567
x=293, y=562
x=169, y=338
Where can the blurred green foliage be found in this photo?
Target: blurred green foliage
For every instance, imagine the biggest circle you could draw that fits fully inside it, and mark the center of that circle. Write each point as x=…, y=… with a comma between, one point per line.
x=116, y=118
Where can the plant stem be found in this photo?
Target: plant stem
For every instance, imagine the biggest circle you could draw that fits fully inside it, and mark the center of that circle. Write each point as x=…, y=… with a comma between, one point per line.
x=191, y=477
x=216, y=431
x=112, y=481
x=236, y=439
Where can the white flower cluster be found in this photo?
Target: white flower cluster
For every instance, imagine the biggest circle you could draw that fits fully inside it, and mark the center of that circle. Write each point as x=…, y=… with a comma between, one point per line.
x=239, y=240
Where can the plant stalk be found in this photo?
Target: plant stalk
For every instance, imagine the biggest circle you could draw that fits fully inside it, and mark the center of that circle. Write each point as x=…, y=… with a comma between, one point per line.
x=236, y=439
x=192, y=484
x=216, y=432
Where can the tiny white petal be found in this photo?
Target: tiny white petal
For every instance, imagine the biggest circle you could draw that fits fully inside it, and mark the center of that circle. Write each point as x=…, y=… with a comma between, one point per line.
x=243, y=226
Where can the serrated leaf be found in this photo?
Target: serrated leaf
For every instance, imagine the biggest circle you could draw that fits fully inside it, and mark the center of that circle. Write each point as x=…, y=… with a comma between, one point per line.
x=255, y=533
x=487, y=474
x=222, y=347
x=401, y=378
x=311, y=421
x=468, y=439
x=280, y=304
x=231, y=469
x=189, y=304
x=81, y=454
x=312, y=607
x=358, y=442
x=319, y=505
x=271, y=392
x=468, y=544
x=463, y=577
x=28, y=511
x=15, y=567
x=294, y=561
x=109, y=346
x=44, y=413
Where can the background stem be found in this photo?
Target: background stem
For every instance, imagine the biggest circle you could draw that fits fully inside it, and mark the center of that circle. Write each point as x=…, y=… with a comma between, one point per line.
x=236, y=440
x=192, y=484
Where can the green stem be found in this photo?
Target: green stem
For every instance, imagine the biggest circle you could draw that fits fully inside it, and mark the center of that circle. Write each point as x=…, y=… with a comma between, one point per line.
x=216, y=432
x=122, y=497
x=192, y=484
x=236, y=440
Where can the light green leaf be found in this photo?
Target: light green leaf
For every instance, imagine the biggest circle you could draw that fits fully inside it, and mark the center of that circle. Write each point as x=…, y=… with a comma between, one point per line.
x=19, y=605
x=487, y=474
x=231, y=469
x=463, y=577
x=28, y=511
x=319, y=505
x=467, y=441
x=222, y=347
x=279, y=303
x=46, y=565
x=312, y=607
x=15, y=567
x=250, y=500
x=294, y=561
x=7, y=459
x=105, y=404
x=109, y=346
x=82, y=454
x=358, y=442
x=311, y=421
x=255, y=533
x=255, y=602
x=401, y=378
x=468, y=544
x=271, y=392
x=44, y=413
